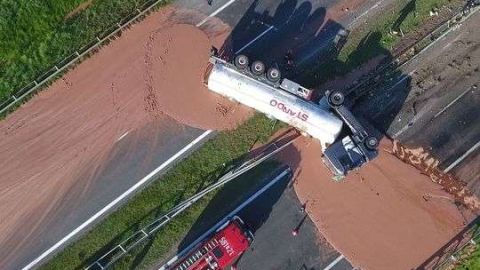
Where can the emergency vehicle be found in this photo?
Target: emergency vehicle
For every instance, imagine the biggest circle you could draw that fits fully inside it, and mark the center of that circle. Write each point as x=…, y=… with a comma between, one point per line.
x=220, y=250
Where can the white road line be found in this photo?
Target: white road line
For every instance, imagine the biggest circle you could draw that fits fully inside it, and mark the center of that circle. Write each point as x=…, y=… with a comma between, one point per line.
x=377, y=4
x=225, y=219
x=215, y=12
x=460, y=159
x=118, y=199
x=452, y=102
x=332, y=264
x=123, y=135
x=255, y=39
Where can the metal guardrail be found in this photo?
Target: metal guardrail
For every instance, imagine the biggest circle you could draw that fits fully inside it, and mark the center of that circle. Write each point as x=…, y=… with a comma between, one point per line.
x=76, y=56
x=113, y=255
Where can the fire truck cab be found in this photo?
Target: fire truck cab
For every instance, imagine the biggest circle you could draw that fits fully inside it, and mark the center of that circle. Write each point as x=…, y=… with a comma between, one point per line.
x=220, y=250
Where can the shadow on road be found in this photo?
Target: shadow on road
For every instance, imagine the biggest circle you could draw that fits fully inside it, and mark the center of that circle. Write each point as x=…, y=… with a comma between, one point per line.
x=232, y=195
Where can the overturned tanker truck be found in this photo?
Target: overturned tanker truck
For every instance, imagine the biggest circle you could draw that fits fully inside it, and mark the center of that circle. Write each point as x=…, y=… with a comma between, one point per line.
x=285, y=100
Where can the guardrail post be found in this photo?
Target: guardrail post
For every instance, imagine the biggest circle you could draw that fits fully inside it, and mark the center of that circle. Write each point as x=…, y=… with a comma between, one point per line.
x=99, y=264
x=35, y=82
x=77, y=53
x=14, y=98
x=473, y=241
x=453, y=258
x=56, y=67
x=98, y=39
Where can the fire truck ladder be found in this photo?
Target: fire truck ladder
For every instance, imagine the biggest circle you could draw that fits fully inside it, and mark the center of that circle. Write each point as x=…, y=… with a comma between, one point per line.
x=117, y=252
x=210, y=245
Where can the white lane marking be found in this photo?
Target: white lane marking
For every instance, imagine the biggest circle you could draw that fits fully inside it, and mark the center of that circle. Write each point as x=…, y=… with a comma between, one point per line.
x=332, y=264
x=118, y=199
x=452, y=102
x=460, y=159
x=377, y=4
x=123, y=135
x=255, y=39
x=215, y=12
x=225, y=219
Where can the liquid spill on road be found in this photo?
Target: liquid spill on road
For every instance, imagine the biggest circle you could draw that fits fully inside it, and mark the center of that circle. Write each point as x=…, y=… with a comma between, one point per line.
x=387, y=215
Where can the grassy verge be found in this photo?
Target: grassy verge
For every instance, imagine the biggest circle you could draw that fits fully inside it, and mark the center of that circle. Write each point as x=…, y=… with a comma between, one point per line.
x=35, y=35
x=195, y=172
x=472, y=262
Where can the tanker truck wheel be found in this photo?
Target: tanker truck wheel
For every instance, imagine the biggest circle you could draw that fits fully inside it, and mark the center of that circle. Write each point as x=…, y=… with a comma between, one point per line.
x=371, y=142
x=258, y=68
x=336, y=98
x=241, y=61
x=273, y=74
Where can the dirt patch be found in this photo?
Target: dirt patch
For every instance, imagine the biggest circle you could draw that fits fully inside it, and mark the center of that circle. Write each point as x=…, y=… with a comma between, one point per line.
x=379, y=217
x=79, y=9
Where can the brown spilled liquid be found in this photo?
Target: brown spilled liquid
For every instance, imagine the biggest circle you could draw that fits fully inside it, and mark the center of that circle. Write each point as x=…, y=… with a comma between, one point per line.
x=384, y=216
x=175, y=67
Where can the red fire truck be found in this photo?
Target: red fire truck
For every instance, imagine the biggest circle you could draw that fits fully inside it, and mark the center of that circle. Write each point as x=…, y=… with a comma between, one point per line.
x=220, y=250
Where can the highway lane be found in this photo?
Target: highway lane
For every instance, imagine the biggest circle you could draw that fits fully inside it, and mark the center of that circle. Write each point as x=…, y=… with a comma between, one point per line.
x=128, y=168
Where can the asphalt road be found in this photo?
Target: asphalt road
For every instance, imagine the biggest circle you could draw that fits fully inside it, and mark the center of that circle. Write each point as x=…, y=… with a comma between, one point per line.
x=262, y=29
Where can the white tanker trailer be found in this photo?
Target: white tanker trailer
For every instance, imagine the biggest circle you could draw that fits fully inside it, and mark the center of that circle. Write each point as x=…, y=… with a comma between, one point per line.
x=289, y=102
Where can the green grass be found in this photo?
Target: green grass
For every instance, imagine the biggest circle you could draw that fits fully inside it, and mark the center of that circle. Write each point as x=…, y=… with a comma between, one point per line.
x=35, y=34
x=470, y=256
x=377, y=38
x=472, y=262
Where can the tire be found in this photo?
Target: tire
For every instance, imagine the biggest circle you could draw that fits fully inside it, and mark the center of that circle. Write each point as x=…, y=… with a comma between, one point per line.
x=371, y=143
x=213, y=51
x=336, y=98
x=258, y=68
x=241, y=61
x=273, y=74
